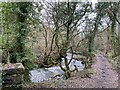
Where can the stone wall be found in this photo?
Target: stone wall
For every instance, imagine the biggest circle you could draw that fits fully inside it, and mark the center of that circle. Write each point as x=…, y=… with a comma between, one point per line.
x=12, y=75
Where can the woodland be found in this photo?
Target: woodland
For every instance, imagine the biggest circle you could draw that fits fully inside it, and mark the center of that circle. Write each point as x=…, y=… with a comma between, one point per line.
x=62, y=44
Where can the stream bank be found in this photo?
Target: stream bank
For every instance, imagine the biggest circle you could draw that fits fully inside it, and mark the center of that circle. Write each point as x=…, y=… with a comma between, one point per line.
x=104, y=76
x=55, y=72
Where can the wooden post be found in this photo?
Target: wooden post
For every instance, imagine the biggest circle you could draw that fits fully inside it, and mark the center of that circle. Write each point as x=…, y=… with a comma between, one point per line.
x=12, y=75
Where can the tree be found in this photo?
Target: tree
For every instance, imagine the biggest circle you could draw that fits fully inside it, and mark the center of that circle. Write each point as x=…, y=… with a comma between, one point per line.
x=66, y=18
x=16, y=31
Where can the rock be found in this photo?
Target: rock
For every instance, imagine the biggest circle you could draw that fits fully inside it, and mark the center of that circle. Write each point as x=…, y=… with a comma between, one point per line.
x=12, y=75
x=9, y=69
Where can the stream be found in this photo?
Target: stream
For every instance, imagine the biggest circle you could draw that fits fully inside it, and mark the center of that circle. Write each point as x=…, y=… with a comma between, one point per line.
x=43, y=74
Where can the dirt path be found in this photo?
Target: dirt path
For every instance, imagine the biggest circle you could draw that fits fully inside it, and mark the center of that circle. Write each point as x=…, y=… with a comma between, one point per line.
x=105, y=77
